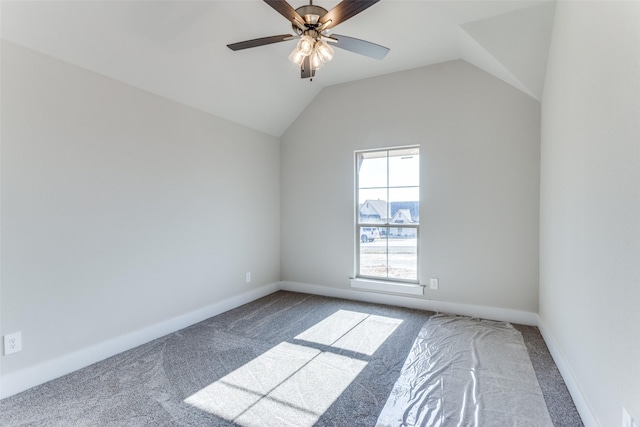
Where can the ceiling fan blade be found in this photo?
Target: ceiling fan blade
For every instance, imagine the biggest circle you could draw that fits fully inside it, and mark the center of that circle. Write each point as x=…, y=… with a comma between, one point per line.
x=260, y=42
x=305, y=70
x=362, y=47
x=285, y=9
x=345, y=10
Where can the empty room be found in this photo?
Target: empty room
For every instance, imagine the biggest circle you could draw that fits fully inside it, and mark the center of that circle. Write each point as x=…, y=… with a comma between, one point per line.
x=320, y=213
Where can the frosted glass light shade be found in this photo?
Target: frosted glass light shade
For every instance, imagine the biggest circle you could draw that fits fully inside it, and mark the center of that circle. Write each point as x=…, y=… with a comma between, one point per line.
x=324, y=51
x=316, y=61
x=305, y=45
x=296, y=57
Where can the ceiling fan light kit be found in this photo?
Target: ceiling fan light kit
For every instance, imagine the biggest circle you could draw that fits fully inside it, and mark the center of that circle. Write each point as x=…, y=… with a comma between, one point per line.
x=311, y=24
x=319, y=51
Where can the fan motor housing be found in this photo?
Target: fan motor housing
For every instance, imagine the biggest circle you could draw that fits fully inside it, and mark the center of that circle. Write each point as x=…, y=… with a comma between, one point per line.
x=311, y=14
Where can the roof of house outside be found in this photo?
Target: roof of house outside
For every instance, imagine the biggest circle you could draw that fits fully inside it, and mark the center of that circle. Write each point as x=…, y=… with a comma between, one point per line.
x=379, y=206
x=413, y=207
x=401, y=214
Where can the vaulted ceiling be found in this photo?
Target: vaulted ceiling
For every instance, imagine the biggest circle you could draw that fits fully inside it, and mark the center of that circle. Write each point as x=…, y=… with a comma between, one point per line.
x=177, y=49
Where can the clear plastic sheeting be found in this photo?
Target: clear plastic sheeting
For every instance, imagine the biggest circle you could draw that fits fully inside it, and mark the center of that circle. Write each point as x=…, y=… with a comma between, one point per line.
x=466, y=372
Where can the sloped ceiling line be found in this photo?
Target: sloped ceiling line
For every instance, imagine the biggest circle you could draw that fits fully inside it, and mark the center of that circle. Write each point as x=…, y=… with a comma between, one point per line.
x=517, y=40
x=177, y=49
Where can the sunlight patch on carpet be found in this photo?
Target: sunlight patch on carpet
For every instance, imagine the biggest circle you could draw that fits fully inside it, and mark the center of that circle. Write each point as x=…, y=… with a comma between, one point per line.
x=294, y=384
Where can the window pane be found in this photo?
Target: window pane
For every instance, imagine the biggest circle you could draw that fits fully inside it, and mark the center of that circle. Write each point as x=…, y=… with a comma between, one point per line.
x=405, y=194
x=404, y=168
x=373, y=255
x=404, y=205
x=373, y=206
x=372, y=169
x=403, y=253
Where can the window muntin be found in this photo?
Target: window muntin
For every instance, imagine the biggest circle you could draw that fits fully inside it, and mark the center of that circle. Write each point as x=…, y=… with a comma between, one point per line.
x=387, y=205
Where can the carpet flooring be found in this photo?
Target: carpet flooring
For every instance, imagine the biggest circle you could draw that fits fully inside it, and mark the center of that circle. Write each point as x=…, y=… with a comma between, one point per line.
x=285, y=359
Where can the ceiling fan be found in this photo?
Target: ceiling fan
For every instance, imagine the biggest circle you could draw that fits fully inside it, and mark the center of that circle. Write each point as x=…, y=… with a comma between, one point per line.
x=311, y=25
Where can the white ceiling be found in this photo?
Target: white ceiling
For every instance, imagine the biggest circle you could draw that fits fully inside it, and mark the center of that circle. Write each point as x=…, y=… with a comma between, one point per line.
x=177, y=49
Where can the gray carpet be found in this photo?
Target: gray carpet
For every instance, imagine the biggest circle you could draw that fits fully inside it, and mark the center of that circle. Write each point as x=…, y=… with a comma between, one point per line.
x=158, y=383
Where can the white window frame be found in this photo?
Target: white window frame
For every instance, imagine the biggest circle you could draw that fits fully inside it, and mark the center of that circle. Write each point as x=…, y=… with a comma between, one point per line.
x=386, y=224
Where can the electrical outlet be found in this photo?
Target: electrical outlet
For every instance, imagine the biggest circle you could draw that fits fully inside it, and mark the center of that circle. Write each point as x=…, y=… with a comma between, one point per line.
x=433, y=284
x=12, y=343
x=247, y=277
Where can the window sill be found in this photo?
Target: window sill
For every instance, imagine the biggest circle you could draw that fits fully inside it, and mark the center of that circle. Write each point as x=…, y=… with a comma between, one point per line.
x=381, y=286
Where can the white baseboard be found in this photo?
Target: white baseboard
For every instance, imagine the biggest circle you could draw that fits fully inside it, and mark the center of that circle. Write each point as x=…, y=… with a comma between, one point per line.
x=24, y=379
x=583, y=407
x=493, y=313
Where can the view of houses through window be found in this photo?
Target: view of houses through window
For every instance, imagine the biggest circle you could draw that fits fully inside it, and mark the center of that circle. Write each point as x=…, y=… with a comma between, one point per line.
x=388, y=214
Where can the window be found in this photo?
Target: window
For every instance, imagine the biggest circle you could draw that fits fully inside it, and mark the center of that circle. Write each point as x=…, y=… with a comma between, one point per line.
x=388, y=214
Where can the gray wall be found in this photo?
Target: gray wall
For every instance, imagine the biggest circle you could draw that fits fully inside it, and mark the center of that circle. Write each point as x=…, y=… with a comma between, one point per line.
x=479, y=140
x=121, y=209
x=590, y=202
